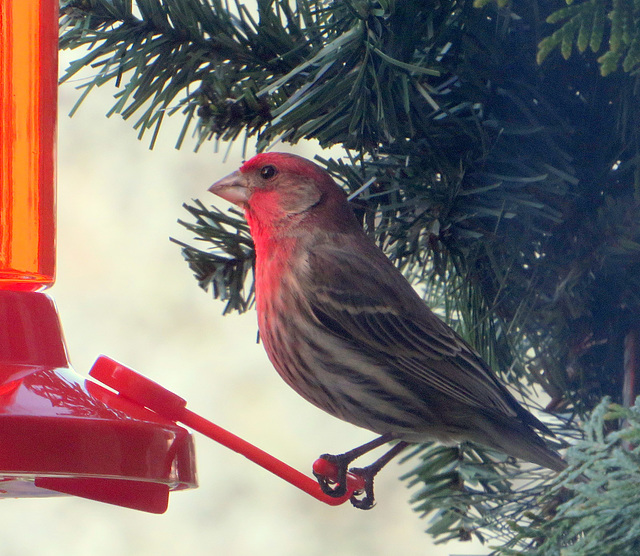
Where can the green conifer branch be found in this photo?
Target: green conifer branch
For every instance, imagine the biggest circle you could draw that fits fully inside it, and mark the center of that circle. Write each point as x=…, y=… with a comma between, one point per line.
x=585, y=24
x=592, y=522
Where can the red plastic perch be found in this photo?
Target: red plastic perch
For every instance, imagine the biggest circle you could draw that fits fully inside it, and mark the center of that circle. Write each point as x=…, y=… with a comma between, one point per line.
x=143, y=391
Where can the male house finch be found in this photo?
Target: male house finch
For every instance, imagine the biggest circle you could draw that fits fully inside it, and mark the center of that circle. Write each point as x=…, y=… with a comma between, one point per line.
x=345, y=329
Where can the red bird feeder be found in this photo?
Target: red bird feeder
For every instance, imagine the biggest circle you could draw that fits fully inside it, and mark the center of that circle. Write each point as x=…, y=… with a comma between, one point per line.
x=61, y=433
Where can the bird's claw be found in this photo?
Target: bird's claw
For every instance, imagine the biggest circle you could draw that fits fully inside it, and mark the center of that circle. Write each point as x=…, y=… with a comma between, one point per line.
x=331, y=488
x=335, y=487
x=368, y=501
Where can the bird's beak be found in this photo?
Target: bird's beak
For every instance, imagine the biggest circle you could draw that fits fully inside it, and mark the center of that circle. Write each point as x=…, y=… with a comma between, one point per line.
x=233, y=188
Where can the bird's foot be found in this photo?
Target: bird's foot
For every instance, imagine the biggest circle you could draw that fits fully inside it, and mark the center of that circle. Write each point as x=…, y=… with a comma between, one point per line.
x=368, y=473
x=334, y=477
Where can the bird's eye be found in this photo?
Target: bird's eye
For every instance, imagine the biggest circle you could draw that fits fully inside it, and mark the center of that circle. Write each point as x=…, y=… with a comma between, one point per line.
x=267, y=172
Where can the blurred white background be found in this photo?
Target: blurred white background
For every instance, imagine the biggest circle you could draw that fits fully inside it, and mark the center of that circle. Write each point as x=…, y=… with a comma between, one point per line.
x=123, y=290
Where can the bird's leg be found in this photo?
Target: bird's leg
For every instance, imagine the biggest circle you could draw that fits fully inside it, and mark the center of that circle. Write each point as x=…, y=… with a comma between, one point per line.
x=368, y=474
x=337, y=486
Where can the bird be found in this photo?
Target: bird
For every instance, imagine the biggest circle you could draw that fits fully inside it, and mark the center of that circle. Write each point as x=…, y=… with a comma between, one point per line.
x=345, y=329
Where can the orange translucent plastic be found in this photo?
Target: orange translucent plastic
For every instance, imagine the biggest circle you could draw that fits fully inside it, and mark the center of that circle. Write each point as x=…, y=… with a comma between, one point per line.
x=28, y=98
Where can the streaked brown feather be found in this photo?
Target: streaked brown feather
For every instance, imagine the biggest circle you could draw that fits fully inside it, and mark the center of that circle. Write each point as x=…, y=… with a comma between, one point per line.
x=350, y=293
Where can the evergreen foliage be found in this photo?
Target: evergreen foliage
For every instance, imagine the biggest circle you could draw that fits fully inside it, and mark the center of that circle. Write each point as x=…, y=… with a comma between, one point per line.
x=602, y=515
x=585, y=24
x=509, y=190
x=228, y=260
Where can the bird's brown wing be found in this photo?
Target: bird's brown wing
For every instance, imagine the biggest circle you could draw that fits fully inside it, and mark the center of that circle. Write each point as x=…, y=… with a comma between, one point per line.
x=363, y=299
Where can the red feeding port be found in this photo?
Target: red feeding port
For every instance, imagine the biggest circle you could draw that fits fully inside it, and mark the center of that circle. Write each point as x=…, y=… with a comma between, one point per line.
x=62, y=433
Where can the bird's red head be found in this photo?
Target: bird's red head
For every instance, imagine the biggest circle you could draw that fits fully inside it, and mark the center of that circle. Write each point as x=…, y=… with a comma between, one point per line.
x=288, y=164
x=283, y=191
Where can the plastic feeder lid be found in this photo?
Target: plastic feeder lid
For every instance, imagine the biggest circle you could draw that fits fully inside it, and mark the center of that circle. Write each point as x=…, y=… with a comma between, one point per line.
x=62, y=433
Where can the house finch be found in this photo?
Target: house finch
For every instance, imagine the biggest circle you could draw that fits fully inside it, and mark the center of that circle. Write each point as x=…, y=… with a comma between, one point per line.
x=345, y=329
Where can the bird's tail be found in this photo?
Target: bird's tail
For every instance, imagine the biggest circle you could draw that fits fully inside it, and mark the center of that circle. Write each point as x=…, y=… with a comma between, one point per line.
x=538, y=453
x=519, y=440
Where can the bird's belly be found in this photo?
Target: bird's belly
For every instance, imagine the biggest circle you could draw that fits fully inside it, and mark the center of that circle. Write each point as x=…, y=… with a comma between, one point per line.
x=342, y=380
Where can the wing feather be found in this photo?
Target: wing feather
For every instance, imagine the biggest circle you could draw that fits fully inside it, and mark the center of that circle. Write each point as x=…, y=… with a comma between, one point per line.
x=364, y=300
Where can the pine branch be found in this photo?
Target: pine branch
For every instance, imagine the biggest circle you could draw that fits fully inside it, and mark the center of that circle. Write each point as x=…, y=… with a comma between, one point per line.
x=232, y=73
x=226, y=264
x=468, y=491
x=191, y=55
